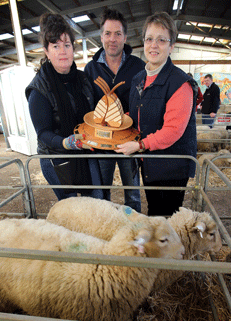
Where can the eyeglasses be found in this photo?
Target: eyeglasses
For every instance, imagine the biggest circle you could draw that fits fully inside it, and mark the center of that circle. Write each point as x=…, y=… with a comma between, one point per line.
x=161, y=41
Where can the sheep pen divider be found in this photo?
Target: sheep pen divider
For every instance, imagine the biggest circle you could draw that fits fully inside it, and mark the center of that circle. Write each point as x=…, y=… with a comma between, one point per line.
x=200, y=198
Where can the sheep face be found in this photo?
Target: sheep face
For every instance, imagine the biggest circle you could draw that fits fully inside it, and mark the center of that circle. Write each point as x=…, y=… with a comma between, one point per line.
x=162, y=240
x=198, y=232
x=157, y=239
x=208, y=237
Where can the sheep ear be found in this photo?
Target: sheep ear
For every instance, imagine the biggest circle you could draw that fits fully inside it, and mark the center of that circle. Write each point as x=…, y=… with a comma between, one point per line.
x=140, y=240
x=200, y=227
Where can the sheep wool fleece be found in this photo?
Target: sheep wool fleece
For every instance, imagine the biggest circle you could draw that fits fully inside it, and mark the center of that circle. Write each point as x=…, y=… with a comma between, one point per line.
x=75, y=291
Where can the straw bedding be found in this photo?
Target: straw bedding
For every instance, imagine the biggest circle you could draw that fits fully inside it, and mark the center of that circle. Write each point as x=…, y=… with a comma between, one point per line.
x=188, y=298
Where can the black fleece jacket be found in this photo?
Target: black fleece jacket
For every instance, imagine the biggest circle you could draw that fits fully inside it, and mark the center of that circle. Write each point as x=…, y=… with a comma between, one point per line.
x=211, y=102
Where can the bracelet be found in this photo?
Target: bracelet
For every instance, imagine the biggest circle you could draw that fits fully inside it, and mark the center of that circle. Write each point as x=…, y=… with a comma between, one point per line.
x=142, y=146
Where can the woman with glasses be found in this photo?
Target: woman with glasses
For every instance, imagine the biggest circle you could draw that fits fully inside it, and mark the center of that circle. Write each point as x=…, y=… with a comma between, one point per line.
x=162, y=106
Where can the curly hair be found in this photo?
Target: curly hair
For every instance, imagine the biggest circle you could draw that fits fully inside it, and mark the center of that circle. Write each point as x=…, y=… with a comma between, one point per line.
x=52, y=26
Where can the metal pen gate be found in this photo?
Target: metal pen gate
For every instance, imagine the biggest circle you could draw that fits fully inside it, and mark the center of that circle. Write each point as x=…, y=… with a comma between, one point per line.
x=199, y=200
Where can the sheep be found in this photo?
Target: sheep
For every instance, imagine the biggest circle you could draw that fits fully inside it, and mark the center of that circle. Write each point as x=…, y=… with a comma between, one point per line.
x=198, y=233
x=96, y=217
x=206, y=140
x=83, y=292
x=103, y=218
x=220, y=162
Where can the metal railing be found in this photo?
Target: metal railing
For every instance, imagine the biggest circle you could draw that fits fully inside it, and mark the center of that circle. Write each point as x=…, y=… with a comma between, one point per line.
x=199, y=200
x=19, y=189
x=193, y=189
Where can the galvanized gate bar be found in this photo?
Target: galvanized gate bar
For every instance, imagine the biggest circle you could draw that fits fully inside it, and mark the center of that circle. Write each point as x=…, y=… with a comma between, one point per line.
x=16, y=194
x=209, y=164
x=210, y=297
x=220, y=225
x=141, y=262
x=23, y=189
x=18, y=317
x=104, y=156
x=184, y=265
x=224, y=286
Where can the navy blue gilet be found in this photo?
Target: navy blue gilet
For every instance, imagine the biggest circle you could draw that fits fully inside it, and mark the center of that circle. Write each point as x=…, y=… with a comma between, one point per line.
x=152, y=105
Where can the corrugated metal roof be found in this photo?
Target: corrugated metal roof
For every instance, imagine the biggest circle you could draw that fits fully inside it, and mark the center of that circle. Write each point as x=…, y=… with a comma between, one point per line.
x=199, y=22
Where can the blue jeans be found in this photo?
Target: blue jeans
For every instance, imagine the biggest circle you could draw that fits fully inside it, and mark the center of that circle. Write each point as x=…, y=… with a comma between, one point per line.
x=51, y=177
x=207, y=120
x=107, y=168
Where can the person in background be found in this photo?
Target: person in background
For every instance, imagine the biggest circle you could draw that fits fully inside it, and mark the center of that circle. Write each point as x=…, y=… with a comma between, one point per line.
x=114, y=63
x=211, y=101
x=59, y=96
x=162, y=106
x=199, y=95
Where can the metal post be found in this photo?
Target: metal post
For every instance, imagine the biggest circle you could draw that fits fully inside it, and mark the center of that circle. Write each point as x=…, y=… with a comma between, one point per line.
x=17, y=33
x=84, y=45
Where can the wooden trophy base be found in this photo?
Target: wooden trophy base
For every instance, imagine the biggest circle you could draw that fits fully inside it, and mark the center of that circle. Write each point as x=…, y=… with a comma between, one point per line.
x=105, y=137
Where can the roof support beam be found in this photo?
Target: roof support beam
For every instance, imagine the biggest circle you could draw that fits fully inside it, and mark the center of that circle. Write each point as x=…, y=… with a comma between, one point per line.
x=81, y=9
x=54, y=9
x=18, y=33
x=201, y=62
x=202, y=19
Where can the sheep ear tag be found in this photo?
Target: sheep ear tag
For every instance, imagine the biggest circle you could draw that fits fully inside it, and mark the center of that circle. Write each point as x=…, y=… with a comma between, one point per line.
x=107, y=126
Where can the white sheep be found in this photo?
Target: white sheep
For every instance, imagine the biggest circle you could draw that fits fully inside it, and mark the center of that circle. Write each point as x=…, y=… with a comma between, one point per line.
x=198, y=233
x=93, y=216
x=220, y=162
x=103, y=218
x=206, y=140
x=83, y=292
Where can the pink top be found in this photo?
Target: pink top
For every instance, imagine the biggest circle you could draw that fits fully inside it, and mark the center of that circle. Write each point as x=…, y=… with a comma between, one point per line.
x=176, y=117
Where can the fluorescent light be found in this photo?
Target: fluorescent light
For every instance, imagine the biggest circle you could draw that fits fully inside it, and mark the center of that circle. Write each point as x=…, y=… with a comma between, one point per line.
x=196, y=38
x=175, y=5
x=206, y=25
x=208, y=39
x=37, y=28
x=5, y=36
x=26, y=32
x=182, y=36
x=81, y=18
x=191, y=23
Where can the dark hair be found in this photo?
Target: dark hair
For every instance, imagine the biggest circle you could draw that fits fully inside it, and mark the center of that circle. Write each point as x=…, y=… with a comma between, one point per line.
x=112, y=14
x=189, y=73
x=52, y=26
x=209, y=76
x=163, y=19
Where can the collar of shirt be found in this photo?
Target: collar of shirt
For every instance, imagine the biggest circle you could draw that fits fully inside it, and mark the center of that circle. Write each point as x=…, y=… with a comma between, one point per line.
x=153, y=72
x=102, y=58
x=209, y=85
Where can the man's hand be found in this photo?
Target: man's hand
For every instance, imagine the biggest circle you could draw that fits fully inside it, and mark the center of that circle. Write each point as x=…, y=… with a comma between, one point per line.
x=213, y=115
